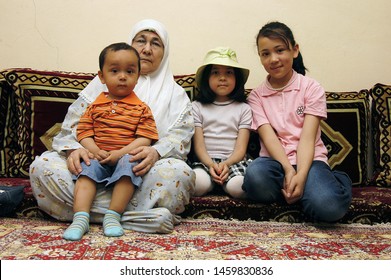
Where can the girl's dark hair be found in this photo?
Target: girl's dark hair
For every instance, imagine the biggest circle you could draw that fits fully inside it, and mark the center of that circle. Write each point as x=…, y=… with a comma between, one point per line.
x=117, y=47
x=206, y=95
x=278, y=30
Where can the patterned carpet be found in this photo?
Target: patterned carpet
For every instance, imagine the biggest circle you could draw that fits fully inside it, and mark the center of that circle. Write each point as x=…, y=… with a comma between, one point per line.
x=201, y=239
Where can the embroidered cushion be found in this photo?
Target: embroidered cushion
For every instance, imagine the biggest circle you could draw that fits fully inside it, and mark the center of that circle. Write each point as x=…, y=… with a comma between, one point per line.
x=381, y=124
x=346, y=133
x=42, y=100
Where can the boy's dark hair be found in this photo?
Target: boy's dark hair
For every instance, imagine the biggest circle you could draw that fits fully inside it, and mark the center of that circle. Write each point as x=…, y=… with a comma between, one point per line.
x=206, y=95
x=117, y=47
x=278, y=30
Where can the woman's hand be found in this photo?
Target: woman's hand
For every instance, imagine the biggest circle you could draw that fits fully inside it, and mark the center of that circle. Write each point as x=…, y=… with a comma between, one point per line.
x=74, y=158
x=147, y=156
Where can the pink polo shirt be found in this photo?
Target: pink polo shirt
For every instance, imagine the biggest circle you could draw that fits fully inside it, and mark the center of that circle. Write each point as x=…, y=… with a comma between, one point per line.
x=285, y=109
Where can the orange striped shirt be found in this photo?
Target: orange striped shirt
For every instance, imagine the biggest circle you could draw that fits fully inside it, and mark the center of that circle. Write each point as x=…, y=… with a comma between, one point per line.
x=116, y=123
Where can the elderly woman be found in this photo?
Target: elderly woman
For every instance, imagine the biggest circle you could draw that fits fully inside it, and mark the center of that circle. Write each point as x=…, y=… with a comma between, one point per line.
x=168, y=182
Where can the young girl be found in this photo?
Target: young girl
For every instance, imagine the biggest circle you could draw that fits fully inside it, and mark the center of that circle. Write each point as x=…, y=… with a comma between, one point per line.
x=222, y=122
x=287, y=110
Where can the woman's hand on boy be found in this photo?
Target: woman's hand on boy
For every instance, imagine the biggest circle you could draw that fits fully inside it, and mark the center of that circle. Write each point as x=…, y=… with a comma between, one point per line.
x=147, y=156
x=75, y=157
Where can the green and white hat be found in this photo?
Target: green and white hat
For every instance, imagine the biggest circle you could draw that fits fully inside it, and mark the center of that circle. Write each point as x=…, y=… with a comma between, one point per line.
x=221, y=56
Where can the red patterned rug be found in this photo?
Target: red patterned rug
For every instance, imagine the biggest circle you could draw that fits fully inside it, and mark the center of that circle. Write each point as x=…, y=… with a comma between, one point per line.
x=201, y=239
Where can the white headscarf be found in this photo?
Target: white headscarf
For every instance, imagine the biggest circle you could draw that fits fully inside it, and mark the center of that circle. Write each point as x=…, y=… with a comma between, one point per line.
x=163, y=95
x=158, y=90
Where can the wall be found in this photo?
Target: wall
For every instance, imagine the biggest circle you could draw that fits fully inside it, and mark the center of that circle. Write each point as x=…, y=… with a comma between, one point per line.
x=345, y=44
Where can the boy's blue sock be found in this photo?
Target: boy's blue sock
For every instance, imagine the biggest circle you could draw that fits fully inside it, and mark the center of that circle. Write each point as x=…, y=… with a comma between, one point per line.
x=79, y=226
x=111, y=224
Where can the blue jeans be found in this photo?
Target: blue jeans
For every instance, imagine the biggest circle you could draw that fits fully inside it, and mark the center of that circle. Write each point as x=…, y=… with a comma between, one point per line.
x=327, y=194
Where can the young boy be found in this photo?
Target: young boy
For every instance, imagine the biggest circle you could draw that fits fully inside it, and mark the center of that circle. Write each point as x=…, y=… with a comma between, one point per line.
x=113, y=125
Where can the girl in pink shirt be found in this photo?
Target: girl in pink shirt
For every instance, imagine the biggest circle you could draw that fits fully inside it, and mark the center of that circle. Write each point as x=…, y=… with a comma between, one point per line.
x=287, y=110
